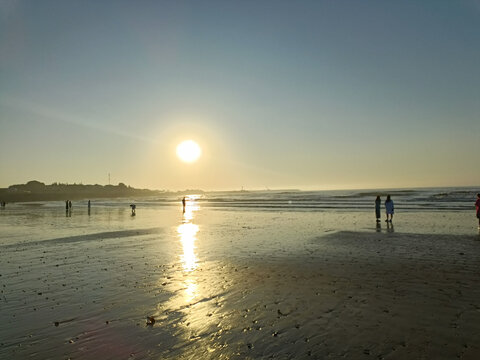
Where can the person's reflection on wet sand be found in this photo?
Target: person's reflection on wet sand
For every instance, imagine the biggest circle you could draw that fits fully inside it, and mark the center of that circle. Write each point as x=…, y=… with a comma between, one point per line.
x=390, y=227
x=378, y=228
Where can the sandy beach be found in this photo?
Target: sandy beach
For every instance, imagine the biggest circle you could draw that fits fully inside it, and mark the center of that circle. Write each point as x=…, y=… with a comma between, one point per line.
x=237, y=284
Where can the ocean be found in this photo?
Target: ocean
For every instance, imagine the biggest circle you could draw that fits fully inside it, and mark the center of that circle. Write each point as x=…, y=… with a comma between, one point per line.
x=431, y=199
x=428, y=199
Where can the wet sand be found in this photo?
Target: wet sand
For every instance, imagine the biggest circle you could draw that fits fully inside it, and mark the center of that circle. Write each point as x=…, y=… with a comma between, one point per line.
x=244, y=285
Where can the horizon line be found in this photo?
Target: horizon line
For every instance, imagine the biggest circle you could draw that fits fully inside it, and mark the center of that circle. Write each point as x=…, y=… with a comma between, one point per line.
x=265, y=189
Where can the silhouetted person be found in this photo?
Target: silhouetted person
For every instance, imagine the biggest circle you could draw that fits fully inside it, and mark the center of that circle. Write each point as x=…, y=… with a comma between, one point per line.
x=68, y=208
x=377, y=208
x=389, y=208
x=3, y=203
x=184, y=202
x=133, y=206
x=477, y=206
x=89, y=207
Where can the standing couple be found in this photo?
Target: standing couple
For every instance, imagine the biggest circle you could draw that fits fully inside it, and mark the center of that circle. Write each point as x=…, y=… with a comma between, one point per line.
x=389, y=209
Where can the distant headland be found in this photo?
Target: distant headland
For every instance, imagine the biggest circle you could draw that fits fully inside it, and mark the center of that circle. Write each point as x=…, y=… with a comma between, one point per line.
x=38, y=191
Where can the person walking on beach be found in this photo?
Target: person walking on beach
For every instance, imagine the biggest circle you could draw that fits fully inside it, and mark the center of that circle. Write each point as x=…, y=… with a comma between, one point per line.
x=184, y=202
x=377, y=208
x=389, y=209
x=477, y=206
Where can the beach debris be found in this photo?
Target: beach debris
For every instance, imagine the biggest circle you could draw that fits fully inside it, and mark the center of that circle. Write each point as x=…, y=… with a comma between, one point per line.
x=283, y=313
x=150, y=320
x=57, y=323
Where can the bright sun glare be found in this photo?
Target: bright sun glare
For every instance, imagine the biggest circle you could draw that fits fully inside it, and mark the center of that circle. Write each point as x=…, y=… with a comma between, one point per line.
x=188, y=151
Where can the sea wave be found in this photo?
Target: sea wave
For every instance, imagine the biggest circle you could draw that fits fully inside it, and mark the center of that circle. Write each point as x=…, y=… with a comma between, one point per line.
x=431, y=199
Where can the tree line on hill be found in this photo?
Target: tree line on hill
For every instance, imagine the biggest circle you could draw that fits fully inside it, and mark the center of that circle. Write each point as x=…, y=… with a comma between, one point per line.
x=38, y=191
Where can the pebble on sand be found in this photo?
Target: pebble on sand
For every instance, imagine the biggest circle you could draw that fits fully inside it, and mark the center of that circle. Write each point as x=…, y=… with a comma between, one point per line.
x=150, y=320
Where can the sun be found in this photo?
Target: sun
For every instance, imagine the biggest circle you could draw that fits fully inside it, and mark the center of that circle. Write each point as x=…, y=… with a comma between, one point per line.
x=188, y=151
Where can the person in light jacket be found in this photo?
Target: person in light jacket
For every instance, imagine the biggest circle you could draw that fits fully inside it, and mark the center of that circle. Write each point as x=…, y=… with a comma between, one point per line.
x=389, y=208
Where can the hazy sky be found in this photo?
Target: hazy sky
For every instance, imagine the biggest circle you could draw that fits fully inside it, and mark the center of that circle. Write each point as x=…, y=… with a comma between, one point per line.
x=279, y=94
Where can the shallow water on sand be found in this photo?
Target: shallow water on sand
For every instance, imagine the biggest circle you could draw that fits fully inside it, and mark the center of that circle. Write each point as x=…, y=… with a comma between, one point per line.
x=227, y=284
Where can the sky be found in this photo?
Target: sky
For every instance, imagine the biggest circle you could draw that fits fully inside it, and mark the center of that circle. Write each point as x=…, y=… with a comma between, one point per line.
x=278, y=94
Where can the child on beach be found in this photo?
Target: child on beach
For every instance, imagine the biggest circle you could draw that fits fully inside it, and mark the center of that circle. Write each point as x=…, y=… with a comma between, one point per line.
x=389, y=209
x=377, y=208
x=477, y=206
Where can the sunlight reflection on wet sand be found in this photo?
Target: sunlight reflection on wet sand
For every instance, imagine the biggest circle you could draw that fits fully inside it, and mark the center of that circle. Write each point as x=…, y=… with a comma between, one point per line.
x=188, y=232
x=190, y=301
